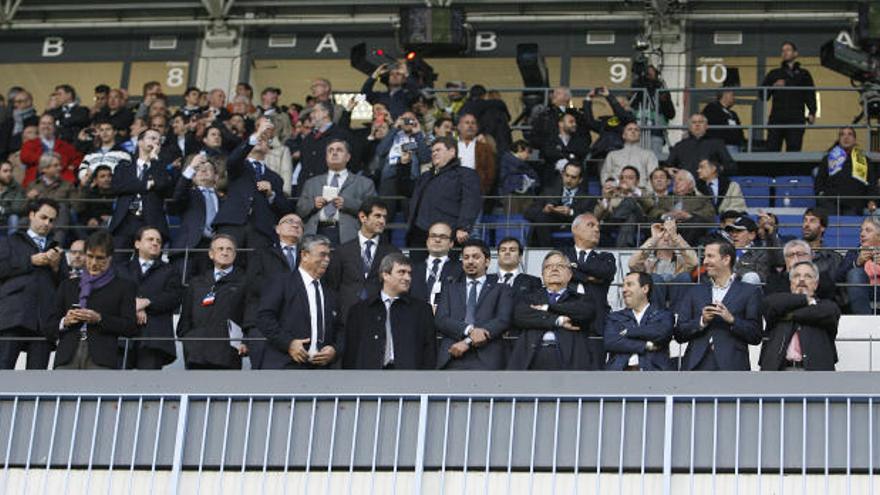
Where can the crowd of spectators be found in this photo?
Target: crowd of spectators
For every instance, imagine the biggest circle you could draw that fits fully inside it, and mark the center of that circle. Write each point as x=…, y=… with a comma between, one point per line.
x=261, y=225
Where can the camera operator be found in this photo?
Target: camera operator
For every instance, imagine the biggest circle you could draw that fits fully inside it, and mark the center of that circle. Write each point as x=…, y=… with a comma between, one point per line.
x=402, y=91
x=653, y=104
x=609, y=127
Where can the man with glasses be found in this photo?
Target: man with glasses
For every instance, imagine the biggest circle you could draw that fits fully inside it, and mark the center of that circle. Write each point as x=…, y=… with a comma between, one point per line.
x=553, y=320
x=794, y=252
x=688, y=152
x=439, y=268
x=801, y=327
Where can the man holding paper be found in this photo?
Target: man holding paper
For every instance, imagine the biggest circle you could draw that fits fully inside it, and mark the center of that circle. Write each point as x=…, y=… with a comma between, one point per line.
x=329, y=202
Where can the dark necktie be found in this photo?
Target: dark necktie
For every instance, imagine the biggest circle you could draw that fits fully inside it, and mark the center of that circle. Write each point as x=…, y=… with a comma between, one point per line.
x=319, y=305
x=259, y=170
x=507, y=278
x=290, y=255
x=432, y=278
x=470, y=315
x=582, y=258
x=219, y=274
x=40, y=242
x=553, y=297
x=368, y=257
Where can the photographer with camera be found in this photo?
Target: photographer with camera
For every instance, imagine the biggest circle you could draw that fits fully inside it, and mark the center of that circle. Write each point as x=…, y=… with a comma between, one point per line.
x=608, y=127
x=403, y=89
x=653, y=105
x=401, y=153
x=620, y=204
x=667, y=257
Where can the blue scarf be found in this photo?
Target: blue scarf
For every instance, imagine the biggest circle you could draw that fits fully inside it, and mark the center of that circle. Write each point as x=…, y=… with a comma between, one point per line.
x=89, y=283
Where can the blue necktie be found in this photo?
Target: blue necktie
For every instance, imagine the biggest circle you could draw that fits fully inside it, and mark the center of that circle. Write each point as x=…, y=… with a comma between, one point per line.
x=553, y=297
x=470, y=315
x=210, y=211
x=291, y=257
x=259, y=170
x=40, y=242
x=368, y=257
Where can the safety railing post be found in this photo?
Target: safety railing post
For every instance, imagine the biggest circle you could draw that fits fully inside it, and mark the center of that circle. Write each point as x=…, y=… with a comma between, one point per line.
x=179, y=440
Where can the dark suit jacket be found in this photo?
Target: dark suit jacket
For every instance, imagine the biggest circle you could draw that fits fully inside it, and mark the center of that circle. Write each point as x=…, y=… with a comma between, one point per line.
x=244, y=204
x=284, y=315
x=625, y=337
x=451, y=272
x=161, y=285
x=412, y=330
x=115, y=303
x=127, y=186
x=575, y=151
x=451, y=195
x=314, y=151
x=580, y=204
x=494, y=313
x=523, y=284
x=26, y=290
x=596, y=275
x=533, y=323
x=69, y=121
x=817, y=327
x=262, y=265
x=211, y=321
x=171, y=151
x=731, y=342
x=188, y=202
x=345, y=275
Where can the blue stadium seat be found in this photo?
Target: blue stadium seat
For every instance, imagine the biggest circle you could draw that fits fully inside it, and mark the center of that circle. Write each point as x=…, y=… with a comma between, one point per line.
x=794, y=185
x=593, y=188
x=790, y=225
x=755, y=186
x=843, y=231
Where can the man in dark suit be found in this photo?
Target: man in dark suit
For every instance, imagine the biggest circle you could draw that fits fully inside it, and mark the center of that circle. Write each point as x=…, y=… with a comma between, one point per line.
x=446, y=193
x=353, y=273
x=69, y=115
x=801, y=329
x=472, y=314
x=30, y=270
x=158, y=296
x=263, y=264
x=196, y=202
x=721, y=318
x=593, y=273
x=141, y=186
x=254, y=195
x=92, y=312
x=439, y=269
x=213, y=305
x=567, y=146
x=510, y=269
x=552, y=320
x=561, y=209
x=637, y=338
x=313, y=155
x=391, y=329
x=298, y=315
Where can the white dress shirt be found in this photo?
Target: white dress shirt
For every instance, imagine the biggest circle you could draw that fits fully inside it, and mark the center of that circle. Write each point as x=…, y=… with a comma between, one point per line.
x=313, y=310
x=634, y=359
x=467, y=154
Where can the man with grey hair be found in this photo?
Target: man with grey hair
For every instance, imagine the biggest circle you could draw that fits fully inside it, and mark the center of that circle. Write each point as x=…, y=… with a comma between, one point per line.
x=801, y=328
x=391, y=329
x=313, y=155
x=298, y=316
x=685, y=206
x=794, y=252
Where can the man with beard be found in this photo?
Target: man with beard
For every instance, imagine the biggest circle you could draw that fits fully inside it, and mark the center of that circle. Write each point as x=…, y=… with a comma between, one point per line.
x=813, y=232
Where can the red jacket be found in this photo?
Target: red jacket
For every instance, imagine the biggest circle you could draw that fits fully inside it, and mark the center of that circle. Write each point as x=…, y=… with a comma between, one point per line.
x=33, y=149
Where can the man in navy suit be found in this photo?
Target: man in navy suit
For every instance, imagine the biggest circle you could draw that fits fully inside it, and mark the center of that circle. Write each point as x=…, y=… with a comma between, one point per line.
x=263, y=264
x=196, y=202
x=553, y=319
x=141, y=186
x=439, y=269
x=593, y=273
x=472, y=314
x=637, y=338
x=298, y=315
x=254, y=196
x=510, y=272
x=719, y=319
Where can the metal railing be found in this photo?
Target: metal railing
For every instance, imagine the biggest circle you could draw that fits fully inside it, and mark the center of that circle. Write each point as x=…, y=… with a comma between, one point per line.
x=503, y=442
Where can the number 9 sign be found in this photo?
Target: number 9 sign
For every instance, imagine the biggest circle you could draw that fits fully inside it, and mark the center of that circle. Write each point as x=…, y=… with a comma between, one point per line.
x=618, y=73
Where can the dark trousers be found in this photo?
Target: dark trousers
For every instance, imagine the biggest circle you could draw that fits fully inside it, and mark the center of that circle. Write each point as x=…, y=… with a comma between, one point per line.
x=37, y=349
x=547, y=358
x=124, y=237
x=708, y=363
x=416, y=240
x=794, y=139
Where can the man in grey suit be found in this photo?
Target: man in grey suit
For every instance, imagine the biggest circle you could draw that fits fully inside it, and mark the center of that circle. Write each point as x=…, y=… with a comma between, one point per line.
x=472, y=314
x=334, y=214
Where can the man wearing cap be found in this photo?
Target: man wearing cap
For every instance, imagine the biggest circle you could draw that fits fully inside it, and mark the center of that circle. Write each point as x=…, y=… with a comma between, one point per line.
x=752, y=265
